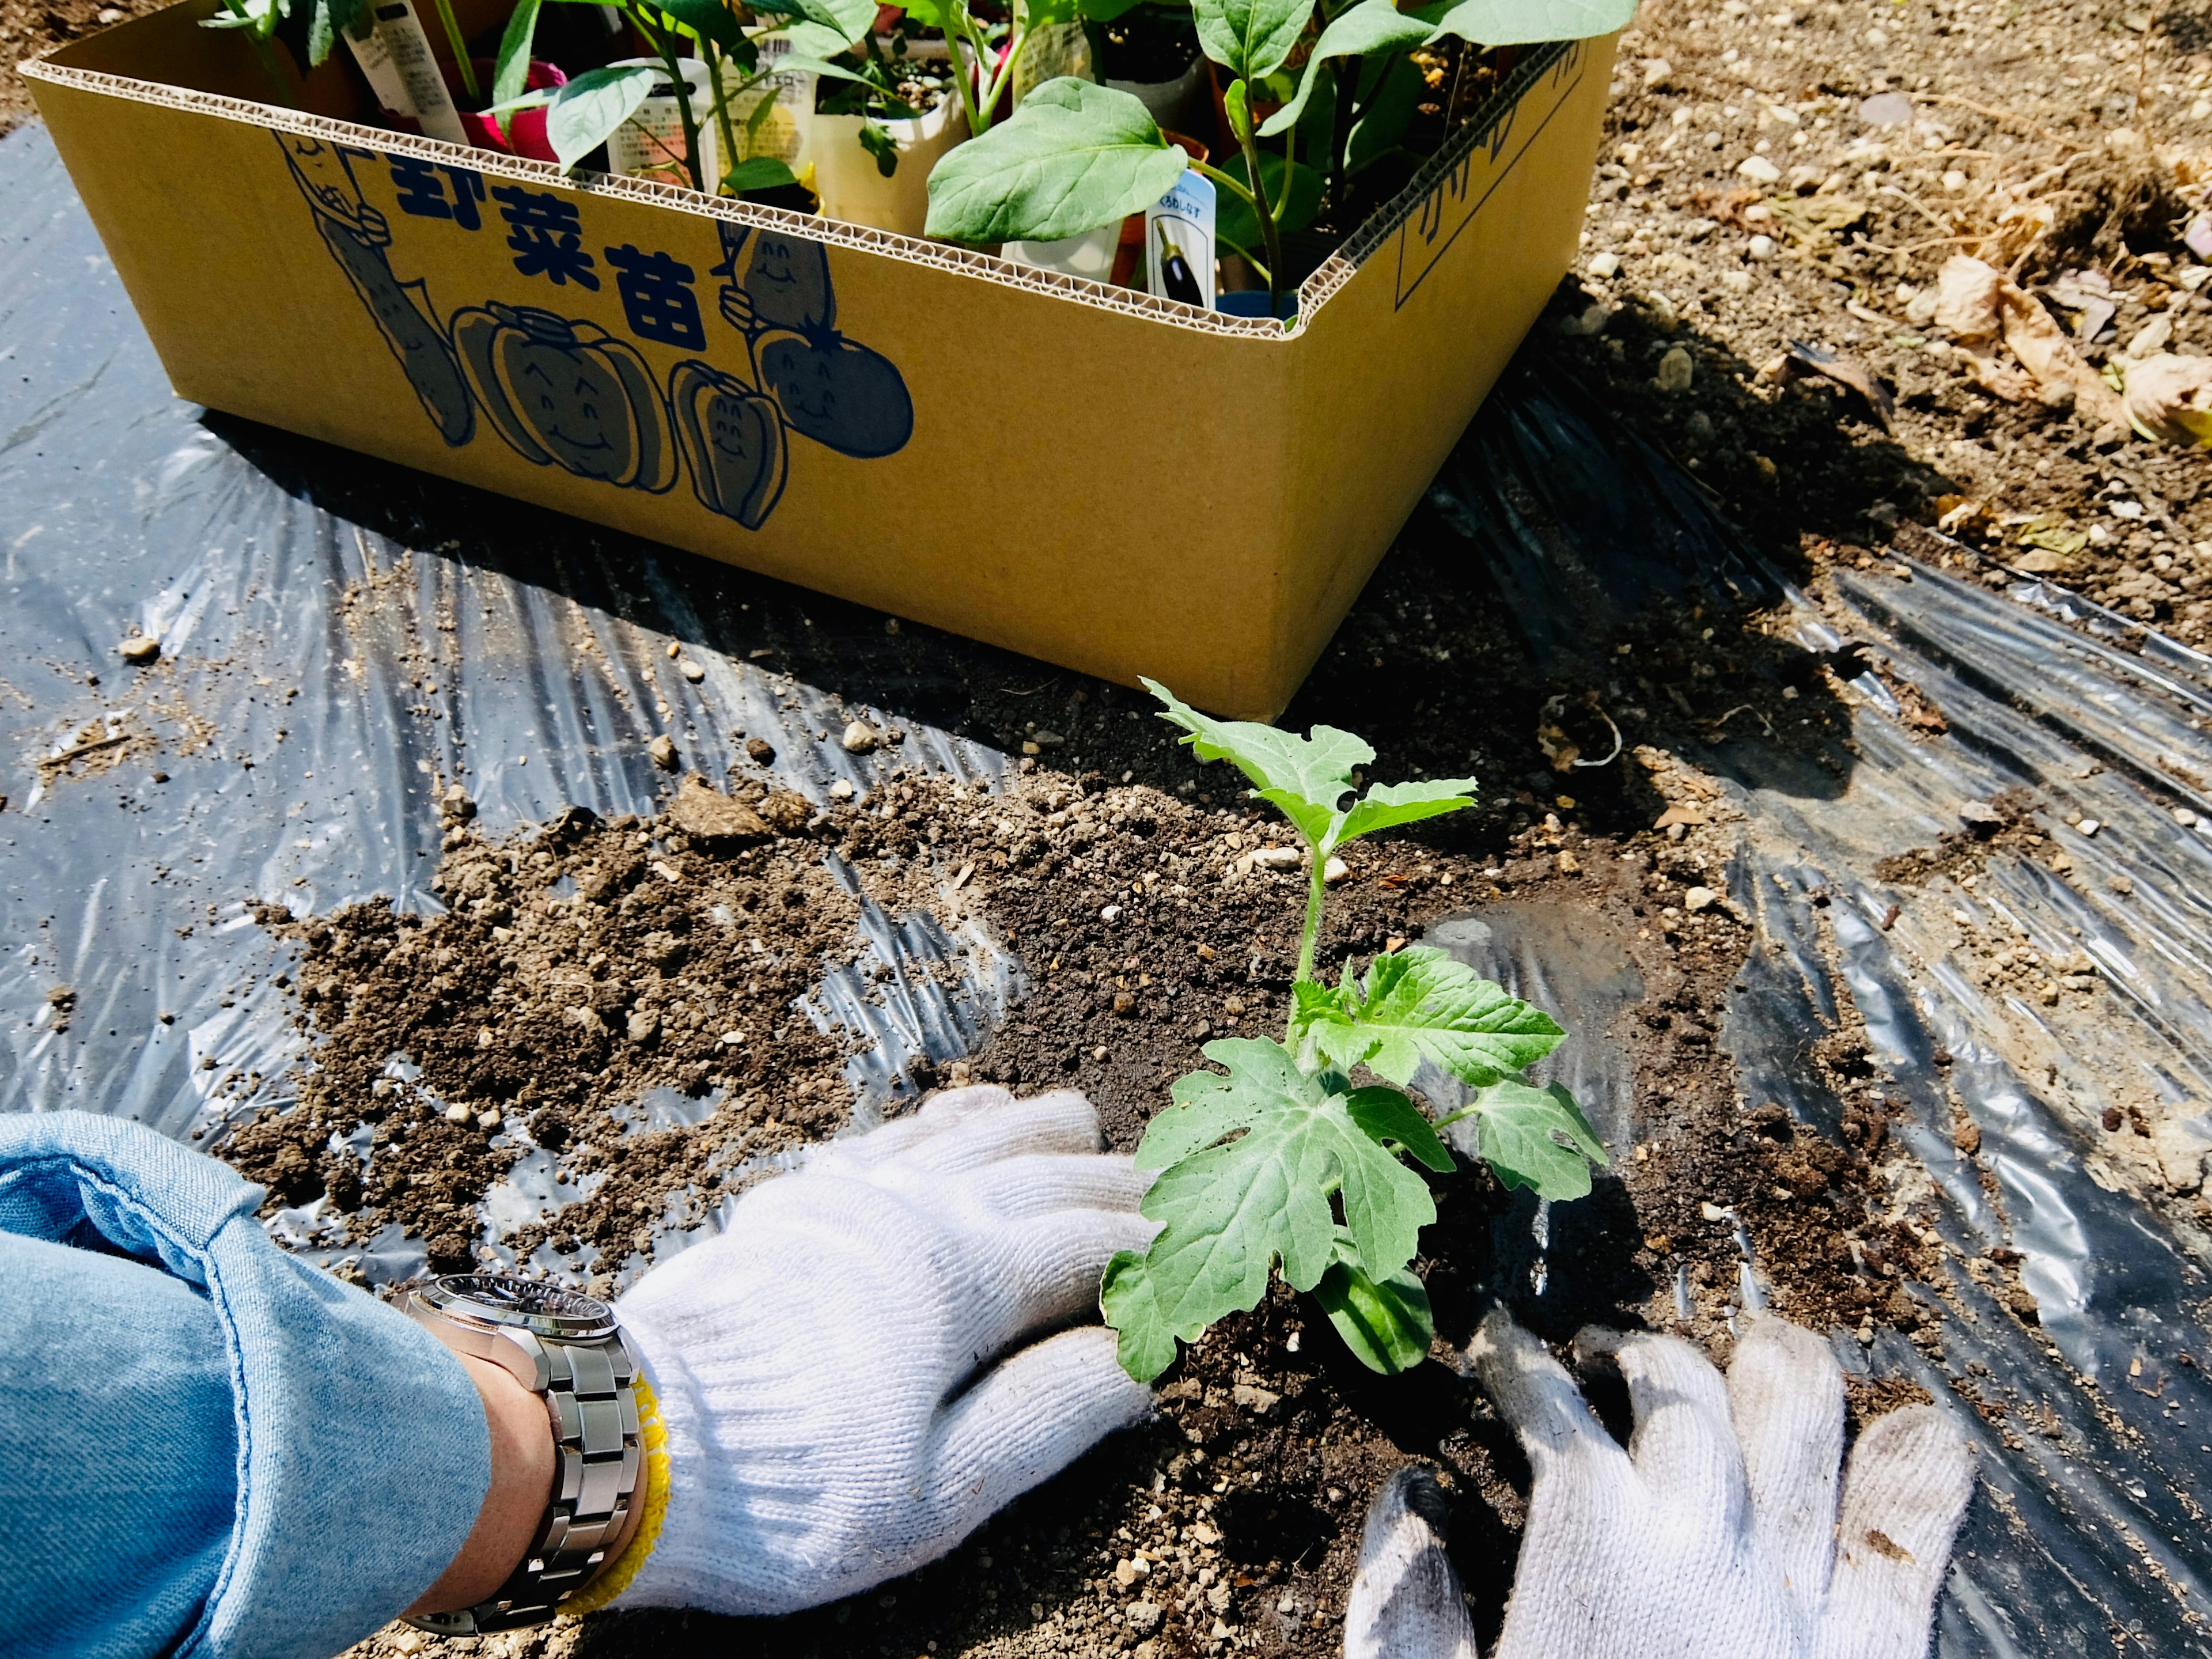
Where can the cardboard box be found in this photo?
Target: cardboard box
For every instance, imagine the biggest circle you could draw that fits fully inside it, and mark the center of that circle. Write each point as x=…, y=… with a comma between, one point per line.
x=1113, y=483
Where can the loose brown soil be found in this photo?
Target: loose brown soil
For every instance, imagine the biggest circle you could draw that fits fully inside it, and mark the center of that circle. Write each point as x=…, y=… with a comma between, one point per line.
x=2073, y=131
x=1228, y=1524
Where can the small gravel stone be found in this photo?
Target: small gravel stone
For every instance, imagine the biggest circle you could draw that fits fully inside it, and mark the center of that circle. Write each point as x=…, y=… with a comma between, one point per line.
x=140, y=648
x=1759, y=170
x=1761, y=247
x=691, y=671
x=1604, y=264
x=842, y=790
x=1699, y=898
x=860, y=738
x=663, y=750
x=1675, y=371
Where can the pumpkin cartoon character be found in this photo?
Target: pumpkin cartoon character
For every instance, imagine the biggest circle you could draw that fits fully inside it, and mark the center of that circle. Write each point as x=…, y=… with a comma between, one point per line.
x=357, y=236
x=733, y=441
x=565, y=392
x=833, y=390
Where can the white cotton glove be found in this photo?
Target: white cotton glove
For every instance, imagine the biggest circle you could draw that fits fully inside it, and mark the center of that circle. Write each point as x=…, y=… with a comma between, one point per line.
x=1716, y=1535
x=859, y=1369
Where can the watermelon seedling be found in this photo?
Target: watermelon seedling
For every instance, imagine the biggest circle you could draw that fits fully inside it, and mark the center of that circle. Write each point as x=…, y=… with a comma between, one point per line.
x=1279, y=1162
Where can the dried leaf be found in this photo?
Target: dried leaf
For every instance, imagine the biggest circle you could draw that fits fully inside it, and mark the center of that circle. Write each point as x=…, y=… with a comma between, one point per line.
x=2170, y=397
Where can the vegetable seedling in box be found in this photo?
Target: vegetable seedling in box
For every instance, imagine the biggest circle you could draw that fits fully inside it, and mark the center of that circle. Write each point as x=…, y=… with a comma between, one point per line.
x=1075, y=155
x=1279, y=1161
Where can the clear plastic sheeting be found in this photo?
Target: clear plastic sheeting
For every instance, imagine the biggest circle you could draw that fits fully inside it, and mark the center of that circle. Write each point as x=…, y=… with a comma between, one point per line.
x=2090, y=1535
x=340, y=640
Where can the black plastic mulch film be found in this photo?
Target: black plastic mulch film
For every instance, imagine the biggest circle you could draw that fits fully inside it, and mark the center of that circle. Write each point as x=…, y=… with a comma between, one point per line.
x=363, y=635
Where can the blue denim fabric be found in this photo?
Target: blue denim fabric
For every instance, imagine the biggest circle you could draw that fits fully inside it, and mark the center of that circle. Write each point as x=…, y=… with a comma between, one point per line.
x=206, y=1447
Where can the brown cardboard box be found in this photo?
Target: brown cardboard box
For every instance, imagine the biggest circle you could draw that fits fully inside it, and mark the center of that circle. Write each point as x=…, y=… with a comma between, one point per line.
x=1113, y=483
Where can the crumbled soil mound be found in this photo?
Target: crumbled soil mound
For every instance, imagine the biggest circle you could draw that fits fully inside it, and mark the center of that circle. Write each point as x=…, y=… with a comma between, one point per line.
x=578, y=968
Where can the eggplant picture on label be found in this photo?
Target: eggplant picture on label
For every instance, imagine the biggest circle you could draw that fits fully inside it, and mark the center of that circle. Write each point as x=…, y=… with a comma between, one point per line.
x=733, y=441
x=357, y=236
x=840, y=393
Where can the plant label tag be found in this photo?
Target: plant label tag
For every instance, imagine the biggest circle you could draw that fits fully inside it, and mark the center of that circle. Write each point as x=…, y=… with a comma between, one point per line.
x=775, y=120
x=1049, y=52
x=1179, y=242
x=651, y=143
x=386, y=40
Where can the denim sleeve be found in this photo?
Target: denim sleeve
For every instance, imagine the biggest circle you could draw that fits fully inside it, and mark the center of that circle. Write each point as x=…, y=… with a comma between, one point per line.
x=207, y=1449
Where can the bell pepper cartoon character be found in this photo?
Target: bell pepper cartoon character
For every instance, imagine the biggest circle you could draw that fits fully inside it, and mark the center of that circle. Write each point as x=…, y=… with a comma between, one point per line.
x=565, y=392
x=357, y=236
x=832, y=390
x=733, y=441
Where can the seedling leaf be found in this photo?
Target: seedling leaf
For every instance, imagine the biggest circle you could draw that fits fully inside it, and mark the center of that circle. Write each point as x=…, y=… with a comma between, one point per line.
x=1146, y=1345
x=710, y=20
x=1250, y=37
x=1524, y=23
x=1538, y=1138
x=1074, y=156
x=1420, y=1004
x=1251, y=1159
x=757, y=172
x=1393, y=1122
x=1388, y=804
x=511, y=71
x=1388, y=1325
x=1306, y=777
x=586, y=111
x=1372, y=26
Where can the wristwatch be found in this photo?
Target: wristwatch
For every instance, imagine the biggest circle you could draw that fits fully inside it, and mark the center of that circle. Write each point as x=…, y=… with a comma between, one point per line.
x=568, y=1349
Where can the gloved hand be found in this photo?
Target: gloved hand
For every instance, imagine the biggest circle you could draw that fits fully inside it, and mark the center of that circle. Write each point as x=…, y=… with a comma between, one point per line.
x=859, y=1371
x=1716, y=1535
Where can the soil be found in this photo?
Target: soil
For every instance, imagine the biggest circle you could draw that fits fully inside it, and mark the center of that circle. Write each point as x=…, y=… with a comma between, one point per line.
x=2047, y=139
x=1229, y=1522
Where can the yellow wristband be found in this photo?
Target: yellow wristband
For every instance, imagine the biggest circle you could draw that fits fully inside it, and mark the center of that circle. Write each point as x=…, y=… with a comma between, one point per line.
x=616, y=1576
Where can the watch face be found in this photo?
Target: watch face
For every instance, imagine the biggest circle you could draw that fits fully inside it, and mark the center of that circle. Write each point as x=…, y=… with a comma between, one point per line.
x=510, y=1300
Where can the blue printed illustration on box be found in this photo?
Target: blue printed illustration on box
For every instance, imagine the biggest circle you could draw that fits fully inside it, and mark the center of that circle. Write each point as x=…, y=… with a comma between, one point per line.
x=569, y=392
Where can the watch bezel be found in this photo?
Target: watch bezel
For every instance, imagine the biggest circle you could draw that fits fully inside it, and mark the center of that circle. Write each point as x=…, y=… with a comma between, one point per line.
x=447, y=1295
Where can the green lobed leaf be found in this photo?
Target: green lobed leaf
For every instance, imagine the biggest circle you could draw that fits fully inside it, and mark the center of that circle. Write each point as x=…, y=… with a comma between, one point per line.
x=1388, y=804
x=1386, y=1325
x=1234, y=1208
x=1422, y=1005
x=1306, y=777
x=589, y=108
x=757, y=172
x=1392, y=1120
x=1250, y=37
x=1523, y=22
x=1235, y=222
x=1237, y=110
x=1371, y=27
x=1146, y=1345
x=1074, y=156
x=1538, y=1138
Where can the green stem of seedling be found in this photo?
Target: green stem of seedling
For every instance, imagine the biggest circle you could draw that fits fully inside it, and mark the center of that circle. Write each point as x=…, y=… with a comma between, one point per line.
x=722, y=113
x=460, y=52
x=1316, y=890
x=665, y=50
x=1268, y=228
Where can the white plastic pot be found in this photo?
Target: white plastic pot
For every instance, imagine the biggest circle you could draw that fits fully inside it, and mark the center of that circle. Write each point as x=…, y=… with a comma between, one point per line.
x=846, y=180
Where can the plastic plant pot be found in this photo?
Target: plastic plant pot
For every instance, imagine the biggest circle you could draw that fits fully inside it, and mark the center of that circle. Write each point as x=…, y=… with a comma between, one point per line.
x=526, y=128
x=1171, y=102
x=854, y=189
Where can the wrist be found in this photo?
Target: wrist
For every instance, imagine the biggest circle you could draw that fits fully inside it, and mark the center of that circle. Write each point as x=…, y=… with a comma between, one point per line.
x=522, y=1472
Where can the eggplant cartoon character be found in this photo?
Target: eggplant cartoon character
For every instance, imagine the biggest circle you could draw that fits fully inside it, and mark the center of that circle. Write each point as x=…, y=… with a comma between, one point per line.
x=567, y=393
x=734, y=442
x=833, y=390
x=357, y=236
